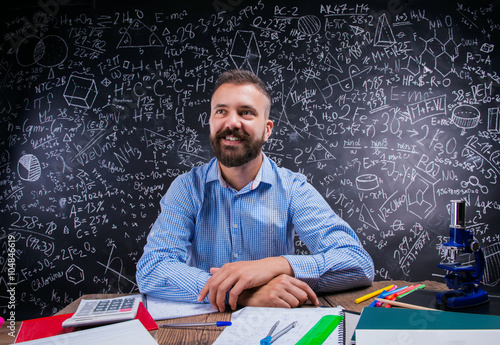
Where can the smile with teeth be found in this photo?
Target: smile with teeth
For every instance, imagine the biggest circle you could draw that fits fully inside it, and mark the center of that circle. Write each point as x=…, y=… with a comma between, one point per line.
x=230, y=138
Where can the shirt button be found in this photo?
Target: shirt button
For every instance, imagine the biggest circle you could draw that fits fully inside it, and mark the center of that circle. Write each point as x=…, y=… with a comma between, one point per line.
x=235, y=226
x=235, y=255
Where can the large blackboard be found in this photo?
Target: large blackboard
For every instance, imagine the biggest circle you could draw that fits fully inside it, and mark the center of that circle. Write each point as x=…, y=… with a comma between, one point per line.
x=391, y=110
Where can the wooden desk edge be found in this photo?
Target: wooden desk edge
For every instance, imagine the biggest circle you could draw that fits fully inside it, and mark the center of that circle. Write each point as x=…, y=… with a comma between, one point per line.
x=343, y=298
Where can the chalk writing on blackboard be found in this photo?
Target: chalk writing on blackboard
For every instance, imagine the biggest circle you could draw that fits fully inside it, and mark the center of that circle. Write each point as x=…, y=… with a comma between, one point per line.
x=390, y=110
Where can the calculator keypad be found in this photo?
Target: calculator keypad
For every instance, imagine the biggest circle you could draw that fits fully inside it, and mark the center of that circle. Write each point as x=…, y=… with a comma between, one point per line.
x=107, y=307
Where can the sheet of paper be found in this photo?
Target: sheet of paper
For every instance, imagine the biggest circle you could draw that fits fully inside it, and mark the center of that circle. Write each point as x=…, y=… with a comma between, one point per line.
x=251, y=324
x=122, y=333
x=162, y=309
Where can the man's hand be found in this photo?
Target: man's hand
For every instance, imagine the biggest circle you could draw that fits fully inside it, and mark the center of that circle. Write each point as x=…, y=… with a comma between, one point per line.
x=240, y=276
x=281, y=292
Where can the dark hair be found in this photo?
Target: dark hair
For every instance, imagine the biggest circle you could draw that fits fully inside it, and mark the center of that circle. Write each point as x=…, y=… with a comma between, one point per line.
x=241, y=77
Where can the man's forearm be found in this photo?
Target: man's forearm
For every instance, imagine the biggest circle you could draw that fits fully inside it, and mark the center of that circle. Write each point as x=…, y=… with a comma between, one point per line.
x=172, y=280
x=336, y=270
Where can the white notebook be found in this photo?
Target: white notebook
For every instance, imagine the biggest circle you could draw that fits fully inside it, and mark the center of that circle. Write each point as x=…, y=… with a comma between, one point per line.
x=251, y=324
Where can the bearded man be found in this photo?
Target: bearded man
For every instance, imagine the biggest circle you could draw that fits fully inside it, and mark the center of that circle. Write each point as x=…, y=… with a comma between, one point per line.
x=225, y=234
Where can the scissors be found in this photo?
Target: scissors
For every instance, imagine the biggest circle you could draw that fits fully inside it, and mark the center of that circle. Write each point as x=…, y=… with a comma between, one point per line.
x=271, y=338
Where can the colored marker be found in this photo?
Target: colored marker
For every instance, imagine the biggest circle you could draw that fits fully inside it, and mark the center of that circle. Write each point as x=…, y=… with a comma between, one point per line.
x=373, y=294
x=420, y=286
x=378, y=304
x=395, y=295
x=382, y=295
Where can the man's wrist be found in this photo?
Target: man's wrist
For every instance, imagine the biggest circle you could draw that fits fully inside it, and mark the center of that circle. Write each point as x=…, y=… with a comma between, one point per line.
x=285, y=267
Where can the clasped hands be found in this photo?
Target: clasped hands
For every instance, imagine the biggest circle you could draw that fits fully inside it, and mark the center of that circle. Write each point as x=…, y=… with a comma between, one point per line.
x=267, y=282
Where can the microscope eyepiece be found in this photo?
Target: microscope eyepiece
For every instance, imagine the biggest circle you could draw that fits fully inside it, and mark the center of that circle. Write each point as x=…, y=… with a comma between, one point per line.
x=457, y=214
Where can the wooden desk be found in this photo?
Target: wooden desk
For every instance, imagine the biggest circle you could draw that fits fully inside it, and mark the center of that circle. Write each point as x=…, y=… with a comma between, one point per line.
x=207, y=335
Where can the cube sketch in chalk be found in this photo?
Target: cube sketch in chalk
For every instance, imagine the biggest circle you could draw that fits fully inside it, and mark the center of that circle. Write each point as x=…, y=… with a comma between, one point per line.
x=80, y=91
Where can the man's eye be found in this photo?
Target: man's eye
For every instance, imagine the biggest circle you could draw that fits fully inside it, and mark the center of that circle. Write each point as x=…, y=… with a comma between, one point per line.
x=246, y=113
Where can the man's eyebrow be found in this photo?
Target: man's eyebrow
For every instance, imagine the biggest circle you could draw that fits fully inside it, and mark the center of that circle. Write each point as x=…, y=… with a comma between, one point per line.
x=244, y=106
x=248, y=107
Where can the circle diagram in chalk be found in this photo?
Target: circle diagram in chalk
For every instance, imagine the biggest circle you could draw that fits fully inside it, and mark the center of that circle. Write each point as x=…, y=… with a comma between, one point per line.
x=48, y=51
x=367, y=182
x=25, y=50
x=309, y=25
x=465, y=116
x=29, y=168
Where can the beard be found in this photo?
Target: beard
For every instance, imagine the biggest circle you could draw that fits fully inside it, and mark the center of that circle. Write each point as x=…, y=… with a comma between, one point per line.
x=232, y=156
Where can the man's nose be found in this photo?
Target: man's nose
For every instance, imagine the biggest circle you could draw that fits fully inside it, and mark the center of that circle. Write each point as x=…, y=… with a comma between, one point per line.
x=233, y=120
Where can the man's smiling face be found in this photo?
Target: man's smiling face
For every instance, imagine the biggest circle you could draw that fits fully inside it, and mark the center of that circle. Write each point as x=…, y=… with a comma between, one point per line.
x=239, y=123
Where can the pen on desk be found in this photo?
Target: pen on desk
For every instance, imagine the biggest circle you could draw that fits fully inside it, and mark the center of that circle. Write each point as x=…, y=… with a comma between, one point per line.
x=420, y=286
x=403, y=305
x=197, y=324
x=373, y=294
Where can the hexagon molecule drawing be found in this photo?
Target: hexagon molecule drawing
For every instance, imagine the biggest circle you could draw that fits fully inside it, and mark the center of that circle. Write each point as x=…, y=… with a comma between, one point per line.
x=75, y=274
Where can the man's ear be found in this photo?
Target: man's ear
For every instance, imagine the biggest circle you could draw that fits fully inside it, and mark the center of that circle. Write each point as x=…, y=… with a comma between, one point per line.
x=269, y=129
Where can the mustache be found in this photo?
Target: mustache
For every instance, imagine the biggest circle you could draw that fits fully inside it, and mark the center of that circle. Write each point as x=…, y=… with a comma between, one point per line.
x=237, y=133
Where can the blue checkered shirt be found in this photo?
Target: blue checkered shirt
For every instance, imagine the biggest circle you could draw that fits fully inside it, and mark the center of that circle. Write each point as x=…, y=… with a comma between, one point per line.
x=205, y=223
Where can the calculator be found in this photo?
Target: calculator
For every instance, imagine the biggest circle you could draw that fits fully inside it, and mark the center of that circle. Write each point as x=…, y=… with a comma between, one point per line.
x=92, y=312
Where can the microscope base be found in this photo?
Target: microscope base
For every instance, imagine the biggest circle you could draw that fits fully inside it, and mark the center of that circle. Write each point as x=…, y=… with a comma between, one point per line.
x=462, y=299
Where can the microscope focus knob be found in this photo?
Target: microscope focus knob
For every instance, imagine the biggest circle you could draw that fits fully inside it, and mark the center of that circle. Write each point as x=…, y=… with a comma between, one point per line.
x=474, y=246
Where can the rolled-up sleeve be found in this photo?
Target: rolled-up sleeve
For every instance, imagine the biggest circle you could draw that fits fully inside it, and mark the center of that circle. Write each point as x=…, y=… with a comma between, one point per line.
x=338, y=260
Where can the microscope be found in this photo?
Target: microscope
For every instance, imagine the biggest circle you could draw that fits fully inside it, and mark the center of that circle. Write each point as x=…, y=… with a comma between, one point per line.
x=462, y=279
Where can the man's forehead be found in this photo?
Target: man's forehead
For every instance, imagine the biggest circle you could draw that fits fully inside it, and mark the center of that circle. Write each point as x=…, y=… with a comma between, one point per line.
x=228, y=86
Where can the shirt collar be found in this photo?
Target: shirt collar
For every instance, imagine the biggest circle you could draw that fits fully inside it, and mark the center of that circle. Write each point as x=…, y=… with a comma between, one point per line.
x=214, y=173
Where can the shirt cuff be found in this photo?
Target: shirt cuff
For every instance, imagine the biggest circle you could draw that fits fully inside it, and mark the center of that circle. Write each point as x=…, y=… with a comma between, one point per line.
x=201, y=280
x=306, y=267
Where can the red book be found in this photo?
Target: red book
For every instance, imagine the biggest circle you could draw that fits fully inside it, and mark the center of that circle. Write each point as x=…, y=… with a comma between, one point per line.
x=146, y=319
x=52, y=325
x=43, y=327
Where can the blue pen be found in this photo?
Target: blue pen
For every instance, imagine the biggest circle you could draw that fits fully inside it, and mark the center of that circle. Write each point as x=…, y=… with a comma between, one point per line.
x=197, y=324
